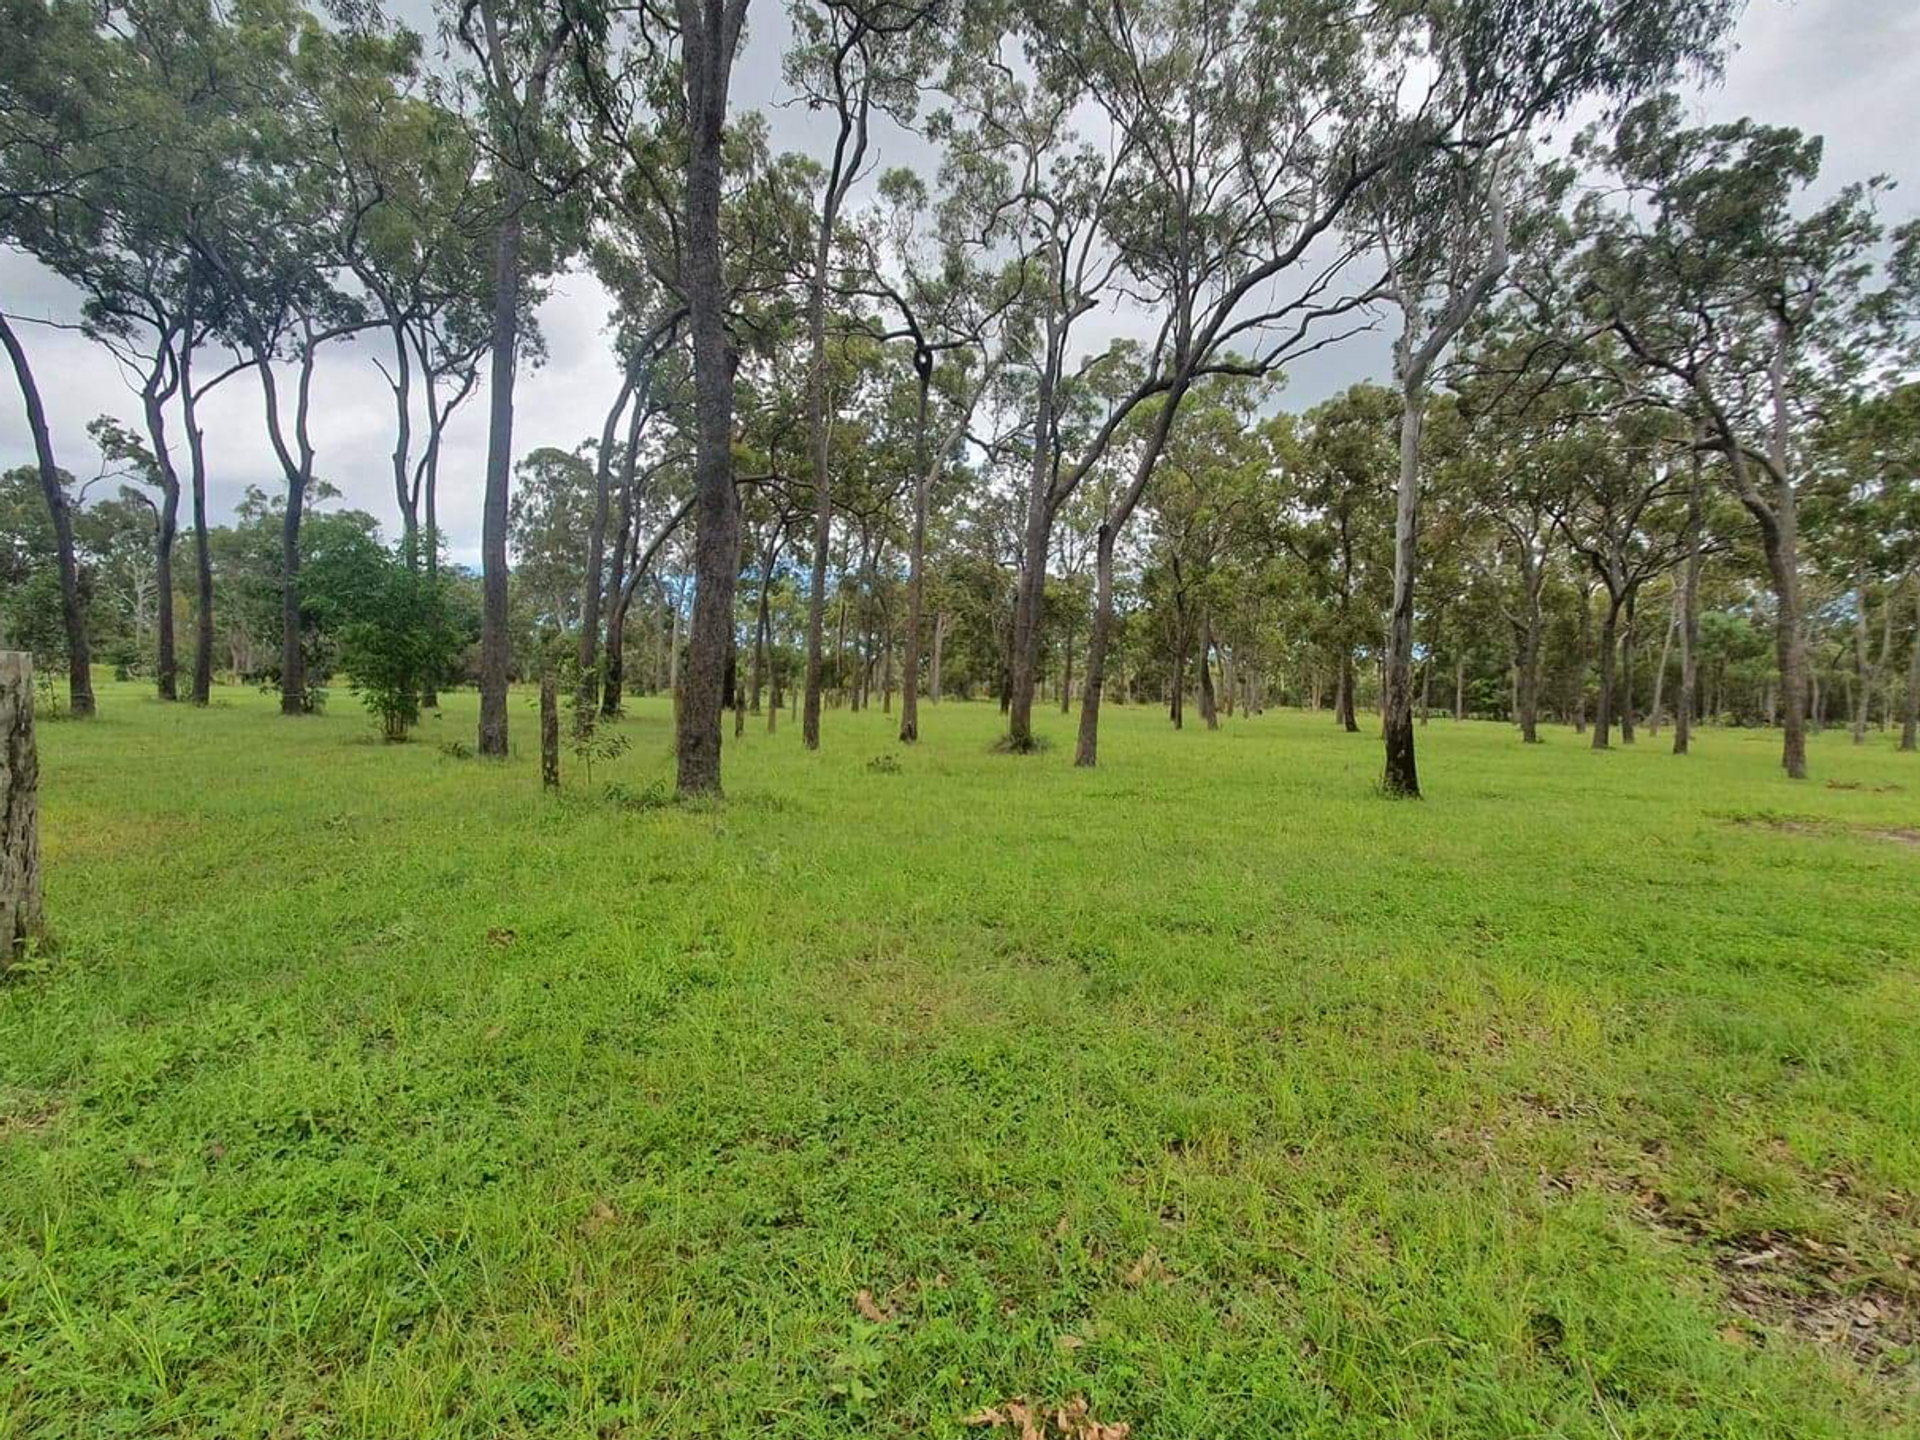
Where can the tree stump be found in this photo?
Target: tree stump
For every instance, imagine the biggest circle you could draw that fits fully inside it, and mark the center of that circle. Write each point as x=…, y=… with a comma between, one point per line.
x=549, y=733
x=20, y=917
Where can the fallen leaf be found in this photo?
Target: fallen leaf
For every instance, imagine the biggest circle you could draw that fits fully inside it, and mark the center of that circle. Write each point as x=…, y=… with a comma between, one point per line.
x=1147, y=1264
x=500, y=935
x=1060, y=1230
x=868, y=1307
x=988, y=1416
x=1069, y=1342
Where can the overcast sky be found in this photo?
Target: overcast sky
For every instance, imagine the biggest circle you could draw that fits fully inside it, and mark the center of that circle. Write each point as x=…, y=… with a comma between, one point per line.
x=1848, y=70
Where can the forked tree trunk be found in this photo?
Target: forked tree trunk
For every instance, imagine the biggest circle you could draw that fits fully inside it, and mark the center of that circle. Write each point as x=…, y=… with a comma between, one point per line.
x=20, y=913
x=1209, y=709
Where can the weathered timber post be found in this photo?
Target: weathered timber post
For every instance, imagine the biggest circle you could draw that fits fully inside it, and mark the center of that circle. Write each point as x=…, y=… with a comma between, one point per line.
x=20, y=916
x=549, y=733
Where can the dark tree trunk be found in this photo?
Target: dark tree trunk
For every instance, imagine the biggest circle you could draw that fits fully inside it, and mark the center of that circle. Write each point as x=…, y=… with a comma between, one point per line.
x=1402, y=775
x=708, y=49
x=21, y=919
x=939, y=645
x=1628, y=634
x=1209, y=709
x=1603, y=703
x=1910, y=720
x=202, y=536
x=916, y=555
x=72, y=606
x=549, y=733
x=494, y=656
x=1087, y=749
x=1344, y=711
x=167, y=518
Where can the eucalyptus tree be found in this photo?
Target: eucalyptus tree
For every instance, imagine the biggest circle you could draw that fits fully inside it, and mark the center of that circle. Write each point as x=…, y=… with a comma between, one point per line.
x=54, y=90
x=942, y=297
x=857, y=60
x=1614, y=511
x=1334, y=520
x=1724, y=287
x=277, y=237
x=1498, y=71
x=709, y=39
x=521, y=50
x=1239, y=135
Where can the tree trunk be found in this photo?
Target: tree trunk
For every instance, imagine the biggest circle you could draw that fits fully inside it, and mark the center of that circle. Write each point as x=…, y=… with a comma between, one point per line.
x=20, y=905
x=1344, y=711
x=593, y=588
x=1603, y=701
x=1628, y=634
x=1910, y=721
x=1684, y=711
x=549, y=733
x=708, y=67
x=1033, y=554
x=939, y=645
x=1402, y=774
x=1657, y=713
x=1209, y=710
x=1862, y=658
x=494, y=657
x=1087, y=749
x=72, y=607
x=1460, y=688
x=167, y=517
x=202, y=536
x=916, y=558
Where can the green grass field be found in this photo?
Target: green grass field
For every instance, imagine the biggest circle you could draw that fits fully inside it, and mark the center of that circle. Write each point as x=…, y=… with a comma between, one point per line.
x=370, y=1092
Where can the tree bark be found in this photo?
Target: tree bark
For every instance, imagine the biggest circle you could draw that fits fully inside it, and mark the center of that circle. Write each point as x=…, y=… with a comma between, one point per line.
x=549, y=733
x=916, y=556
x=1087, y=748
x=1656, y=713
x=1629, y=632
x=939, y=645
x=1910, y=721
x=710, y=35
x=1690, y=619
x=494, y=656
x=1603, y=701
x=153, y=397
x=202, y=536
x=72, y=608
x=1209, y=708
x=21, y=917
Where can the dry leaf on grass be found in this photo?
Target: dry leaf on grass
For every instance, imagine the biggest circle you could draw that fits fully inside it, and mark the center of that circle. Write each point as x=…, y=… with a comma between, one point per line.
x=1071, y=1421
x=870, y=1308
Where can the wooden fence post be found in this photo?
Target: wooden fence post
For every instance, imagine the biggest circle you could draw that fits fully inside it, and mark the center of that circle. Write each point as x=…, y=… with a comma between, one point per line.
x=20, y=916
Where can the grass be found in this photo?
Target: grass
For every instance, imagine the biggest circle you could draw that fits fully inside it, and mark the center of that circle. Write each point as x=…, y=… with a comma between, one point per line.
x=372, y=1093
